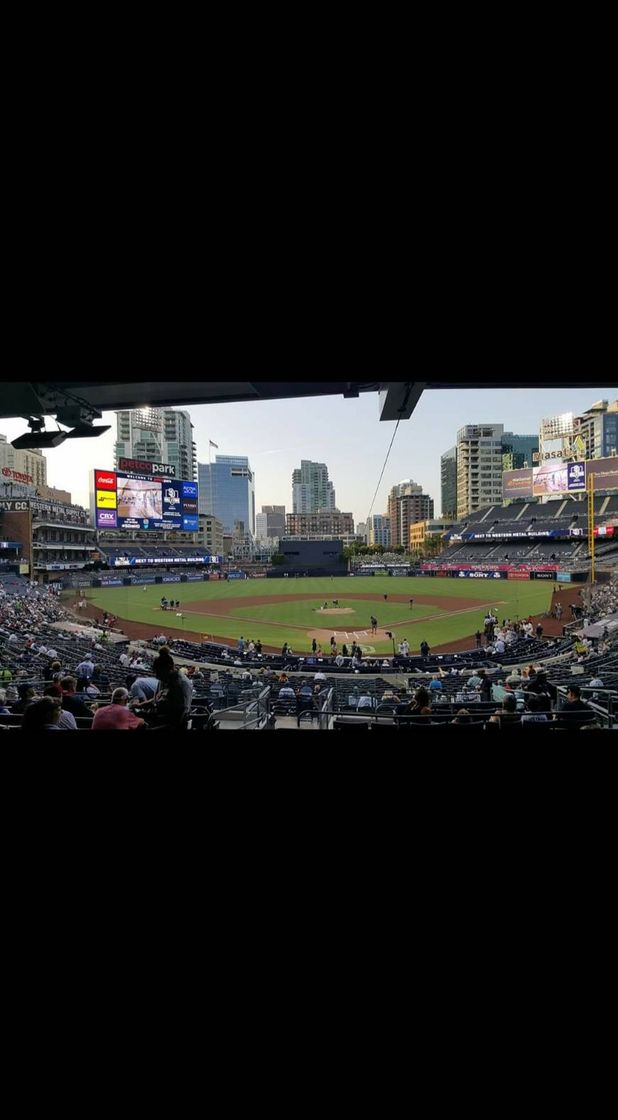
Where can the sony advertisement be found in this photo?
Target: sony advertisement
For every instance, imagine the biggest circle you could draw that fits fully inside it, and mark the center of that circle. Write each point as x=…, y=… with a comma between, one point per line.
x=123, y=501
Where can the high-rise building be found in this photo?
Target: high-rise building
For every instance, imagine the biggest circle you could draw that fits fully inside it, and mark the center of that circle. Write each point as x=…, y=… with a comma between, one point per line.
x=407, y=504
x=311, y=489
x=361, y=530
x=518, y=451
x=270, y=523
x=227, y=491
x=158, y=435
x=597, y=428
x=448, y=479
x=210, y=534
x=379, y=530
x=328, y=523
x=479, y=467
x=27, y=467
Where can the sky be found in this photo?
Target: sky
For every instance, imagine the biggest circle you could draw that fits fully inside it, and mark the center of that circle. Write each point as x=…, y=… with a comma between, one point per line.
x=347, y=435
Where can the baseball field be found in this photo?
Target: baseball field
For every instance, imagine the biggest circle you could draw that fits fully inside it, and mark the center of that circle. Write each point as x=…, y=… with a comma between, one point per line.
x=297, y=610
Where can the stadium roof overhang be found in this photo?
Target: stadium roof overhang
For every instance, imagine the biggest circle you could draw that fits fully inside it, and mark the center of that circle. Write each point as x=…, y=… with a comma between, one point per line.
x=397, y=399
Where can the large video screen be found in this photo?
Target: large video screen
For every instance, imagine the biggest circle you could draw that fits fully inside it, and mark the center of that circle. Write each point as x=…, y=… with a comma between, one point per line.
x=125, y=501
x=560, y=476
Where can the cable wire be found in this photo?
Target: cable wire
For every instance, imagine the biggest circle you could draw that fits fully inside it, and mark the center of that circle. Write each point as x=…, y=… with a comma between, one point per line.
x=383, y=468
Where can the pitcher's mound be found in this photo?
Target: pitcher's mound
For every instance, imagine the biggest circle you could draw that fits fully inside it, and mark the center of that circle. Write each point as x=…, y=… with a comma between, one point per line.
x=336, y=610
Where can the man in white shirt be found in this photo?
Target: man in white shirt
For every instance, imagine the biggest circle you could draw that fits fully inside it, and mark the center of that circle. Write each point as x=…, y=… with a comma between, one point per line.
x=499, y=646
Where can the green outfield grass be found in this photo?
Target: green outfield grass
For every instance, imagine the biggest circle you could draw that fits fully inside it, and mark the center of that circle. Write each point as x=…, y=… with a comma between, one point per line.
x=425, y=622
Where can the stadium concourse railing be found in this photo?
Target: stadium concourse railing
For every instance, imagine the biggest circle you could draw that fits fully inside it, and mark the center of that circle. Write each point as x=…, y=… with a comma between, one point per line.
x=250, y=714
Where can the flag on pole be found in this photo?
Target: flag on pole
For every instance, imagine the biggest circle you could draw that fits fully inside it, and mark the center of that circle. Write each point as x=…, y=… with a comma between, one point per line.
x=213, y=444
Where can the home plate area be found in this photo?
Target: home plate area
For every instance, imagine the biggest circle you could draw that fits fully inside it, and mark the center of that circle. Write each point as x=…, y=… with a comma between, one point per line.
x=348, y=636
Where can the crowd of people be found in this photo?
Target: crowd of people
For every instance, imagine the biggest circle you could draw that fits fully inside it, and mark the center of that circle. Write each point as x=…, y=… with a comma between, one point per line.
x=148, y=690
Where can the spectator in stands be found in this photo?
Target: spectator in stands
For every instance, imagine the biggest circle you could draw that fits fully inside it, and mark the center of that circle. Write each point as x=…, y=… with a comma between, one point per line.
x=286, y=692
x=474, y=681
x=67, y=719
x=463, y=716
x=172, y=704
x=419, y=705
x=479, y=642
x=117, y=716
x=142, y=688
x=539, y=631
x=42, y=715
x=70, y=700
x=424, y=649
x=85, y=668
x=26, y=695
x=507, y=714
x=485, y=686
x=534, y=710
x=319, y=676
x=3, y=708
x=574, y=711
x=435, y=683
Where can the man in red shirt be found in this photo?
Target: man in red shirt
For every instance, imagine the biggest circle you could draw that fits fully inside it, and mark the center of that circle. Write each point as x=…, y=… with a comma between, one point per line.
x=117, y=716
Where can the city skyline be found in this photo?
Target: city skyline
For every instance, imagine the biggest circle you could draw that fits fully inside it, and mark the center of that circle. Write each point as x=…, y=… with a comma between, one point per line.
x=346, y=435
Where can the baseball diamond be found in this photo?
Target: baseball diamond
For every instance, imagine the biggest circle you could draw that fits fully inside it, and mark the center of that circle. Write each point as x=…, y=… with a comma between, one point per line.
x=444, y=611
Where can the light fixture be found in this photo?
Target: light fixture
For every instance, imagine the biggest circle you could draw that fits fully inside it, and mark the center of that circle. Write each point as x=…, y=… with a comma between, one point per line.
x=37, y=436
x=78, y=417
x=85, y=430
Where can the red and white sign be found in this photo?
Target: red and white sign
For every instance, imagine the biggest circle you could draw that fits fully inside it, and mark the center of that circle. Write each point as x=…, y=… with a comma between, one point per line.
x=104, y=480
x=18, y=476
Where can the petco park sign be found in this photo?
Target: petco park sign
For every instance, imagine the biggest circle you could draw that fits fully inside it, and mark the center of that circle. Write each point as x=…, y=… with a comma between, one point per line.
x=168, y=470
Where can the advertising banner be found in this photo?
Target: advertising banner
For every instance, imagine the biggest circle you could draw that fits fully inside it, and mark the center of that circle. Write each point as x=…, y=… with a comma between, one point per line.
x=576, y=476
x=194, y=577
x=109, y=581
x=170, y=579
x=543, y=575
x=236, y=575
x=563, y=577
x=467, y=574
x=560, y=476
x=519, y=575
x=517, y=484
